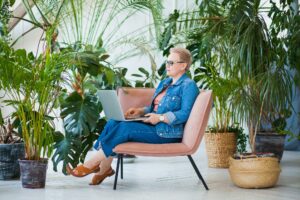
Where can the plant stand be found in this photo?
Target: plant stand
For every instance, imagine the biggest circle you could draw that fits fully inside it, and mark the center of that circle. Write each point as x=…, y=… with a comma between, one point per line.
x=219, y=147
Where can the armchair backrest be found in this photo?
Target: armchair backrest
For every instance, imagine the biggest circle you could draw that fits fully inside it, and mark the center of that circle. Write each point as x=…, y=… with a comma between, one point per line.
x=197, y=122
x=135, y=97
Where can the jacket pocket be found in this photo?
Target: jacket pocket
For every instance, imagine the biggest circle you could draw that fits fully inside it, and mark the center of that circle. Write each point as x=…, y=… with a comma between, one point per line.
x=173, y=102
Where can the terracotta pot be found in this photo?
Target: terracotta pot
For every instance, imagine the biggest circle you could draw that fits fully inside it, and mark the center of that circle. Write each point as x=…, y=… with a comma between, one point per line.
x=270, y=142
x=9, y=165
x=33, y=173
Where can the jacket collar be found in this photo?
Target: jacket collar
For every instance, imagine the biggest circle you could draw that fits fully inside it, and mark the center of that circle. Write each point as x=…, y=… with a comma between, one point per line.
x=178, y=82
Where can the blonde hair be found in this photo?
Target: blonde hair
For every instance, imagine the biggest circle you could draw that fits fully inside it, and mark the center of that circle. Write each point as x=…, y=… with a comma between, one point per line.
x=184, y=55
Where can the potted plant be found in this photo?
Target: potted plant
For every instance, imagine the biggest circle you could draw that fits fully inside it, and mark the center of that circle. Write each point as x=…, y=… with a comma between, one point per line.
x=11, y=149
x=32, y=86
x=266, y=88
x=204, y=39
x=272, y=139
x=223, y=135
x=270, y=87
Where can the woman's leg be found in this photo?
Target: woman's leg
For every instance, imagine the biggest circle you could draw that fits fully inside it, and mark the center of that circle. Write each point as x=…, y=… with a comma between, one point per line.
x=109, y=126
x=96, y=159
x=135, y=132
x=99, y=159
x=123, y=132
x=105, y=170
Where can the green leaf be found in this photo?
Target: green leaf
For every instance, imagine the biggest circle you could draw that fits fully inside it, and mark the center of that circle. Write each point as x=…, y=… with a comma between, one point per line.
x=144, y=71
x=80, y=114
x=139, y=84
x=86, y=145
x=12, y=2
x=99, y=42
x=104, y=57
x=124, y=71
x=88, y=62
x=1, y=119
x=72, y=150
x=31, y=56
x=110, y=76
x=58, y=136
x=137, y=75
x=67, y=150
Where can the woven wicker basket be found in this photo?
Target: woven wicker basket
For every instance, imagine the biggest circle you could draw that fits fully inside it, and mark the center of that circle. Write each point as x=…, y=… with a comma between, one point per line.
x=219, y=147
x=254, y=172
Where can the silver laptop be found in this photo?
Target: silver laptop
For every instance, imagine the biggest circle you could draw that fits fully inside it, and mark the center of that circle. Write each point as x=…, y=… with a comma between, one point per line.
x=112, y=107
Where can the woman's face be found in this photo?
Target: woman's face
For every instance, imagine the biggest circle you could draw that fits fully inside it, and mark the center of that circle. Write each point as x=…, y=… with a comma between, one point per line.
x=174, y=66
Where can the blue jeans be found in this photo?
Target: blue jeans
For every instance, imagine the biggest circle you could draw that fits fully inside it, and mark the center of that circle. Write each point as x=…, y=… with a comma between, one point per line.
x=116, y=132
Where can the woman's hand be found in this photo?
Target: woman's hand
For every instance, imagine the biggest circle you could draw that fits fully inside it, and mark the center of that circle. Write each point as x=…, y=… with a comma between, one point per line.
x=152, y=118
x=134, y=112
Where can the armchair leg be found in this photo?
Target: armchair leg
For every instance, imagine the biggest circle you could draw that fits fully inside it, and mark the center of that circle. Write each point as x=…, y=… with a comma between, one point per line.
x=117, y=171
x=197, y=171
x=121, y=166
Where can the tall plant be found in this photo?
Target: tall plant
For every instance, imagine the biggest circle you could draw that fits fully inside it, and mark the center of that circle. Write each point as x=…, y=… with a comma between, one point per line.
x=80, y=107
x=232, y=37
x=32, y=87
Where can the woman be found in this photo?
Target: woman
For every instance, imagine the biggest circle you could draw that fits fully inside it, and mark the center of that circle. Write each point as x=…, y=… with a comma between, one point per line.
x=168, y=113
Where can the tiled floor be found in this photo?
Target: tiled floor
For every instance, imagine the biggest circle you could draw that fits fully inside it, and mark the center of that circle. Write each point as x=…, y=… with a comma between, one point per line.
x=160, y=178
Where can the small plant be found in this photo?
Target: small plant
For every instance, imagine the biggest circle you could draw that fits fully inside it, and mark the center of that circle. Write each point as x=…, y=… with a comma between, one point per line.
x=7, y=133
x=241, y=137
x=279, y=121
x=146, y=80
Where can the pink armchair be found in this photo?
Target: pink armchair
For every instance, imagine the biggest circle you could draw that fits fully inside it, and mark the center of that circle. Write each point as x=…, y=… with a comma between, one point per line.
x=193, y=131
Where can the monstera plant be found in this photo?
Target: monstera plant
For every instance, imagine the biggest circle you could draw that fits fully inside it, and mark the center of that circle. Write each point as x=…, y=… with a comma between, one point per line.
x=80, y=107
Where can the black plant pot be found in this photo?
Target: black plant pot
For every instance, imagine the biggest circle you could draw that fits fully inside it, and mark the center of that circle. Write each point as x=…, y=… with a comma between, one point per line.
x=9, y=165
x=33, y=173
x=270, y=142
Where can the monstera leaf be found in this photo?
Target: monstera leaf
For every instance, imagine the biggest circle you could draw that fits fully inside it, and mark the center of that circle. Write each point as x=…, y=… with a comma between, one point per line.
x=80, y=114
x=72, y=150
x=66, y=150
x=82, y=126
x=89, y=62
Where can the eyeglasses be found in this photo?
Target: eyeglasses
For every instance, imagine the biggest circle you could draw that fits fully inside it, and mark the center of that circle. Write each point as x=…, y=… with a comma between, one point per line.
x=171, y=63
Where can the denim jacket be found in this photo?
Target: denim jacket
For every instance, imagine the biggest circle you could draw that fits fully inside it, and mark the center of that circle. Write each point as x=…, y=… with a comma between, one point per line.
x=176, y=105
